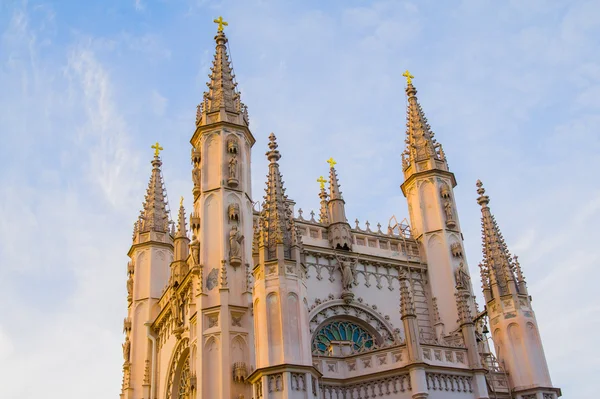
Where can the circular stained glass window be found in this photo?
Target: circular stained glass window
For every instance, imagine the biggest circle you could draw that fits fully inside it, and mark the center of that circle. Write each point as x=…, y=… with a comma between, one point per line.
x=338, y=334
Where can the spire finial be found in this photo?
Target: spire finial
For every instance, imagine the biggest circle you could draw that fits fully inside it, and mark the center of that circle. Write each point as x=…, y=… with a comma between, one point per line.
x=181, y=201
x=221, y=23
x=483, y=199
x=273, y=155
x=157, y=149
x=408, y=77
x=331, y=162
x=321, y=180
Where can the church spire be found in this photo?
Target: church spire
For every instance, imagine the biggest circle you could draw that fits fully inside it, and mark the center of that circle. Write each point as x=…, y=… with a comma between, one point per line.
x=276, y=219
x=421, y=146
x=497, y=261
x=154, y=215
x=181, y=228
x=339, y=233
x=323, y=212
x=221, y=103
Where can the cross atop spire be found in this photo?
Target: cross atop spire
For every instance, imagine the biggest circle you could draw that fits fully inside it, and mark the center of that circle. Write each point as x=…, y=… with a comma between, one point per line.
x=221, y=103
x=321, y=180
x=221, y=23
x=331, y=162
x=408, y=77
x=157, y=149
x=421, y=146
x=154, y=215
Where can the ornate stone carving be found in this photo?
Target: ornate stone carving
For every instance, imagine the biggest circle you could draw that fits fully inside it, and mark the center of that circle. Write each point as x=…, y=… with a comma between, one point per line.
x=195, y=250
x=275, y=382
x=233, y=212
x=232, y=145
x=127, y=350
x=450, y=222
x=232, y=180
x=235, y=248
x=197, y=180
x=462, y=278
x=213, y=320
x=212, y=279
x=298, y=382
x=240, y=372
x=456, y=249
x=449, y=382
x=369, y=389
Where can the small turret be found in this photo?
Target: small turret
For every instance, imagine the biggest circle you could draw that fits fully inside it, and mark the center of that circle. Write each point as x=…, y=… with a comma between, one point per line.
x=179, y=267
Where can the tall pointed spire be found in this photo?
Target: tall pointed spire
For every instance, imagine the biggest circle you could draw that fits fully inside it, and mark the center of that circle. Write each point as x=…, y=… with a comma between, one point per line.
x=221, y=103
x=276, y=221
x=340, y=236
x=421, y=145
x=334, y=186
x=497, y=261
x=323, y=212
x=181, y=227
x=154, y=215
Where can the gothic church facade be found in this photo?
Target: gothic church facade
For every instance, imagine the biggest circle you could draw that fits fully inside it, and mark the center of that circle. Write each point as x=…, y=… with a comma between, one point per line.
x=258, y=301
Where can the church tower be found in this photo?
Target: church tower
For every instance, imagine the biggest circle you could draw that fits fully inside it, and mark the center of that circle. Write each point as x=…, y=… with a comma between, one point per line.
x=514, y=328
x=221, y=224
x=280, y=297
x=428, y=186
x=148, y=271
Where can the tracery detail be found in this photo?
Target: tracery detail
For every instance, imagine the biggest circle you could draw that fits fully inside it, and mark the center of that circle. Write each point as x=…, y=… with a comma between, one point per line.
x=342, y=338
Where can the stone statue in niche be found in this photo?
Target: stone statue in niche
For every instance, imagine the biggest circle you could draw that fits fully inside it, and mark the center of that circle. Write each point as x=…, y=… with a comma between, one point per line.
x=346, y=266
x=233, y=168
x=197, y=179
x=195, y=250
x=235, y=248
x=233, y=211
x=130, y=287
x=126, y=349
x=461, y=277
x=449, y=213
x=176, y=310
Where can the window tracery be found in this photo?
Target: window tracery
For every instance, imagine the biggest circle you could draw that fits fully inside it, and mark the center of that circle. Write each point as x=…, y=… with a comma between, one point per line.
x=342, y=338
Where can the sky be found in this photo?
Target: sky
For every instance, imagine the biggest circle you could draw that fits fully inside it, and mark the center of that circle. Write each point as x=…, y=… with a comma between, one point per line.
x=511, y=89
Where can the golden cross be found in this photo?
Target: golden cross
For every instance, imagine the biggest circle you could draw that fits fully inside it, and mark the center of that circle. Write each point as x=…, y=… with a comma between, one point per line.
x=181, y=201
x=157, y=149
x=408, y=77
x=221, y=23
x=322, y=182
x=331, y=162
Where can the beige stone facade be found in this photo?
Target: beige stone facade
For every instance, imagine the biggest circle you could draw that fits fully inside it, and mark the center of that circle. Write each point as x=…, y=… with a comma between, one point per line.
x=256, y=300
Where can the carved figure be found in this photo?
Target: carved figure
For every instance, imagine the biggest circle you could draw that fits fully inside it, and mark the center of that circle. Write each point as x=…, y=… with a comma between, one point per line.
x=233, y=210
x=235, y=239
x=461, y=277
x=176, y=310
x=195, y=250
x=126, y=349
x=347, y=273
x=130, y=285
x=233, y=168
x=448, y=210
x=197, y=177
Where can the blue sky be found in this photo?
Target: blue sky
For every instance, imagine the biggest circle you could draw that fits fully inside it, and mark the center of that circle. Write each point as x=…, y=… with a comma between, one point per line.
x=512, y=90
